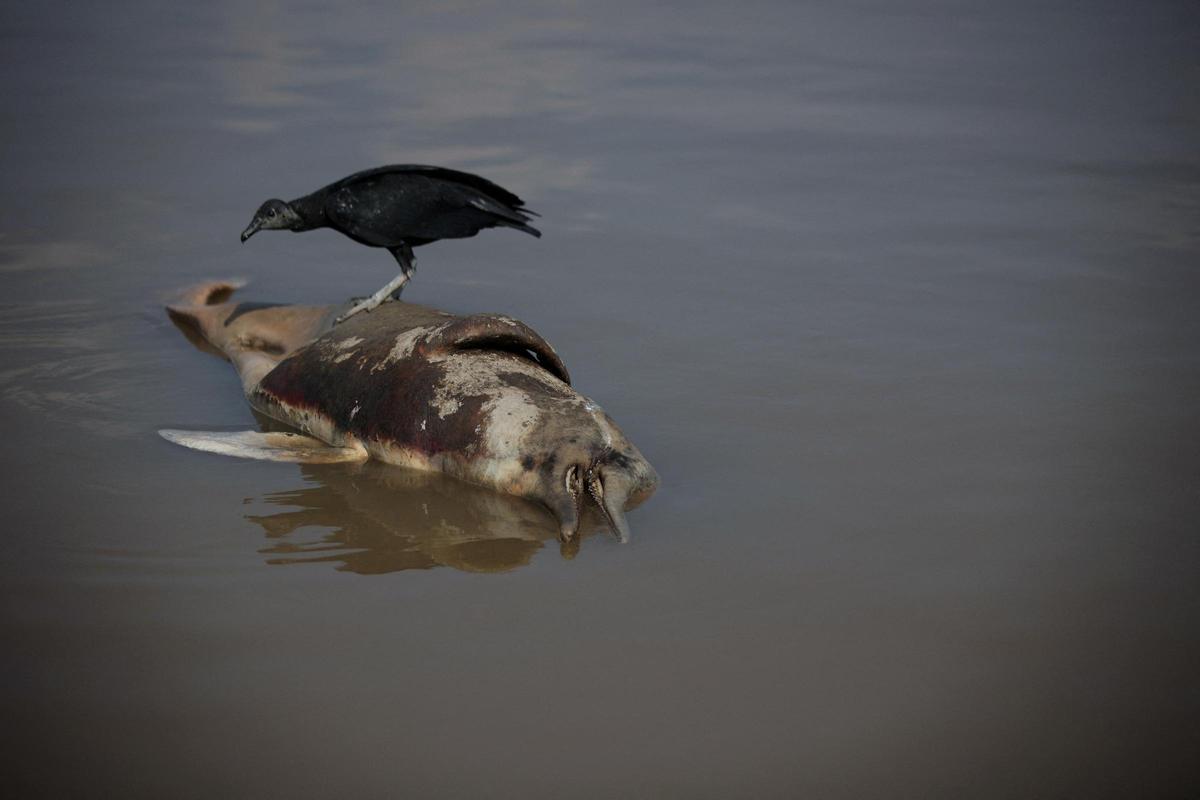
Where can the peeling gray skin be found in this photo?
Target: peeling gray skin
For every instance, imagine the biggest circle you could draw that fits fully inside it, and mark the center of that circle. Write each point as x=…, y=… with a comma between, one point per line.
x=482, y=398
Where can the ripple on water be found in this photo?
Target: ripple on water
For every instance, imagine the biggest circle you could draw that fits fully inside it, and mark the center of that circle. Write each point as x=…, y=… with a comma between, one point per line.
x=78, y=362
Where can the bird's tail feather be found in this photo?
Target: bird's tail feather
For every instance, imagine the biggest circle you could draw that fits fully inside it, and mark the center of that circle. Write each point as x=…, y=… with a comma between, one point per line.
x=532, y=231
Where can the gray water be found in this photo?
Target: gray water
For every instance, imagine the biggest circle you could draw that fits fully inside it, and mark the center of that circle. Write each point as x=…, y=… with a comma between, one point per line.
x=899, y=298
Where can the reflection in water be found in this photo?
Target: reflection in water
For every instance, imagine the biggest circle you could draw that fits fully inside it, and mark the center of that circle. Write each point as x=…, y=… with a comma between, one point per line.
x=379, y=518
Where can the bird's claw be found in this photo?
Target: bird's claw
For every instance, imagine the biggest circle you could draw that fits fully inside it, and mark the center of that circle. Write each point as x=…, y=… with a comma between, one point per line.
x=355, y=309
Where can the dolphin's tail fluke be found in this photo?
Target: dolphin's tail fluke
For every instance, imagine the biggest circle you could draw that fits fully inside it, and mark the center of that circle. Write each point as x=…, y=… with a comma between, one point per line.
x=209, y=293
x=254, y=336
x=200, y=310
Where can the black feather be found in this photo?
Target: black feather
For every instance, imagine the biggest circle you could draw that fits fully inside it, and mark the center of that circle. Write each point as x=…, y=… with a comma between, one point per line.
x=412, y=204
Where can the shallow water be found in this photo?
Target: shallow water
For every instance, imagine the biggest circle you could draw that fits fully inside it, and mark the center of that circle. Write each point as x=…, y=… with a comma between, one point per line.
x=900, y=299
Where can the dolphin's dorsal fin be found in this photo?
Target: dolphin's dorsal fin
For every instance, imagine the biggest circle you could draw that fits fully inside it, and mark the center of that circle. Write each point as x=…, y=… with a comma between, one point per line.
x=495, y=332
x=274, y=446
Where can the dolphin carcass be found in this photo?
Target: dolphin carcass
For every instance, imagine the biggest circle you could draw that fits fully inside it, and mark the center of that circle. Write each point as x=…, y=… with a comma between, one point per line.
x=482, y=398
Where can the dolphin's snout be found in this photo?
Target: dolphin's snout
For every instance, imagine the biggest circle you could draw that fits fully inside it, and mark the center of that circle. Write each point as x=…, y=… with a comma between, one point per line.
x=567, y=502
x=610, y=489
x=607, y=486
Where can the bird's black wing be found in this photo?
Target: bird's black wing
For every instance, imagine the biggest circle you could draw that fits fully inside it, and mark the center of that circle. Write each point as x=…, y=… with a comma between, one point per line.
x=467, y=179
x=384, y=208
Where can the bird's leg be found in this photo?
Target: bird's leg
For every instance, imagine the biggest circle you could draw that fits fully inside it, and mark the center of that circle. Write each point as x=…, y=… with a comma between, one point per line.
x=391, y=289
x=374, y=300
x=408, y=265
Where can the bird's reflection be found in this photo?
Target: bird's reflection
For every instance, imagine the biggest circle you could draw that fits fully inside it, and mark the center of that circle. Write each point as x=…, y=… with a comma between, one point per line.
x=377, y=518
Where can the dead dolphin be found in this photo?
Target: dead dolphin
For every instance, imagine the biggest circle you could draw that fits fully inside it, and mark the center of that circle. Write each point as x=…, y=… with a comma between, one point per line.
x=482, y=398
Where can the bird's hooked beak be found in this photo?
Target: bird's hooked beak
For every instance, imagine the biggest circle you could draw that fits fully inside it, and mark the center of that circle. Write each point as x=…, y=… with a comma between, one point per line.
x=251, y=229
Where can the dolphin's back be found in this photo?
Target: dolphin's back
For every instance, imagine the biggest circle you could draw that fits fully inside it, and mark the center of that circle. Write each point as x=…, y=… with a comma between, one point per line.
x=417, y=380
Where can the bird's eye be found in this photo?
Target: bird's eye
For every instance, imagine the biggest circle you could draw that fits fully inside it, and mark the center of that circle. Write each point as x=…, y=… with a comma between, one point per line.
x=271, y=213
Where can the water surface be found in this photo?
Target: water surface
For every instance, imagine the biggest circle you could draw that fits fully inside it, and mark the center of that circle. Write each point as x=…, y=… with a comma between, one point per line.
x=900, y=299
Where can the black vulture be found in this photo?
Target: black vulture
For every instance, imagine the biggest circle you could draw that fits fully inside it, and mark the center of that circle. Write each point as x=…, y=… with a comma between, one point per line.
x=398, y=207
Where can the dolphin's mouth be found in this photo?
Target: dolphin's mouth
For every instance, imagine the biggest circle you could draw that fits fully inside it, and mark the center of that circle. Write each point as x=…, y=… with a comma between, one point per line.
x=614, y=512
x=590, y=482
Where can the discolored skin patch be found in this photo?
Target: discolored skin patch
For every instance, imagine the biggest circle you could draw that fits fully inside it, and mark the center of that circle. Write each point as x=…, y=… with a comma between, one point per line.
x=396, y=405
x=536, y=384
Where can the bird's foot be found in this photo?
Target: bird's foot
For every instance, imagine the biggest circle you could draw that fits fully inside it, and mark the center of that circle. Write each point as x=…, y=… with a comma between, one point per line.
x=364, y=305
x=392, y=288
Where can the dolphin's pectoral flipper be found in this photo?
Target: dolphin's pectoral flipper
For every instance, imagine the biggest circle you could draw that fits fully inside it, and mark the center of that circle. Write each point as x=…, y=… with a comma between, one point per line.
x=291, y=447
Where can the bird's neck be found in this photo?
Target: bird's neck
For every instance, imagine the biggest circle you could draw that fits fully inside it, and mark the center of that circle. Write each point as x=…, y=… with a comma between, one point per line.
x=311, y=212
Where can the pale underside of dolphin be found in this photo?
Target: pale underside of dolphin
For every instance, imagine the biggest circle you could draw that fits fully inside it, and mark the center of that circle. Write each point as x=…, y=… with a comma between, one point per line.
x=482, y=398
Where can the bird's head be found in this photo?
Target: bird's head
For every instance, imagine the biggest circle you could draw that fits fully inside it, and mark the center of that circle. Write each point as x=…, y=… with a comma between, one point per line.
x=272, y=215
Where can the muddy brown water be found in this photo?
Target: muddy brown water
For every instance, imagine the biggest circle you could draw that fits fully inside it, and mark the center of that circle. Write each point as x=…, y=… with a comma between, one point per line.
x=900, y=300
